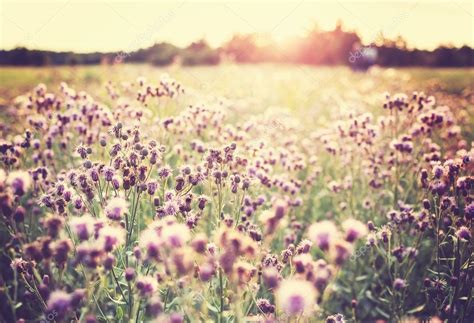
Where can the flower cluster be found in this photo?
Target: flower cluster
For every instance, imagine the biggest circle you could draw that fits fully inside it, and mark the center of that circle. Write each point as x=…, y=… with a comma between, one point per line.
x=144, y=209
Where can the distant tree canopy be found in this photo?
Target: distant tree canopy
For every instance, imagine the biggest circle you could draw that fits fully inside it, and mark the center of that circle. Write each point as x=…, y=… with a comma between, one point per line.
x=318, y=47
x=200, y=53
x=326, y=47
x=23, y=56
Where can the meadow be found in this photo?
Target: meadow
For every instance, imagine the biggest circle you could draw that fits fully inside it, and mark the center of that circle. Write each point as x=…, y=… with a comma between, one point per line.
x=235, y=193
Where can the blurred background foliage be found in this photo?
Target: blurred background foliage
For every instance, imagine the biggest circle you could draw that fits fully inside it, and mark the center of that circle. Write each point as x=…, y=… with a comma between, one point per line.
x=318, y=47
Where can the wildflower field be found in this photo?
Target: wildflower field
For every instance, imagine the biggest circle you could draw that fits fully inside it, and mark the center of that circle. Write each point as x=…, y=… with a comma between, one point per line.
x=251, y=193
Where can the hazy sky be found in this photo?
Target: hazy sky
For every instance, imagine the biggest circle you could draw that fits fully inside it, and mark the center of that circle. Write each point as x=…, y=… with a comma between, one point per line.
x=117, y=25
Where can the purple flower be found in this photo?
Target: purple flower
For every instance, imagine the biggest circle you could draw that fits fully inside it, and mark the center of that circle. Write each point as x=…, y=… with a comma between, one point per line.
x=322, y=234
x=152, y=187
x=469, y=211
x=296, y=297
x=463, y=233
x=129, y=274
x=399, y=284
x=336, y=318
x=59, y=302
x=147, y=286
x=154, y=306
x=109, y=173
x=265, y=306
x=19, y=182
x=116, y=208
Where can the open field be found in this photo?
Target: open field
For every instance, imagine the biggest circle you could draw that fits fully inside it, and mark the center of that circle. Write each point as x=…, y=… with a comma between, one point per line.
x=236, y=193
x=223, y=78
x=311, y=94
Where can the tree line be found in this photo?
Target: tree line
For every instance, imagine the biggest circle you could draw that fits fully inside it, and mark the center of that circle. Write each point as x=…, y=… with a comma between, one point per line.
x=318, y=47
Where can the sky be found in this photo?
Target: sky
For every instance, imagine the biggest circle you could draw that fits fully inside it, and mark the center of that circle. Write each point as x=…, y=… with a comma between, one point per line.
x=119, y=25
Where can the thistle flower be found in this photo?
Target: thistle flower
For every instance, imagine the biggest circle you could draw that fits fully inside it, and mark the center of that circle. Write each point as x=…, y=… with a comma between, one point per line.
x=19, y=182
x=463, y=233
x=19, y=214
x=109, y=173
x=59, y=302
x=154, y=306
x=301, y=262
x=152, y=187
x=280, y=207
x=354, y=229
x=116, y=208
x=341, y=252
x=296, y=297
x=176, y=318
x=164, y=172
x=176, y=235
x=111, y=237
x=469, y=211
x=171, y=207
x=183, y=261
x=271, y=277
x=61, y=250
x=336, y=318
x=322, y=273
x=129, y=274
x=202, y=200
x=245, y=272
x=146, y=286
x=53, y=223
x=83, y=226
x=150, y=242
x=323, y=234
x=109, y=262
x=199, y=243
x=265, y=306
x=399, y=284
